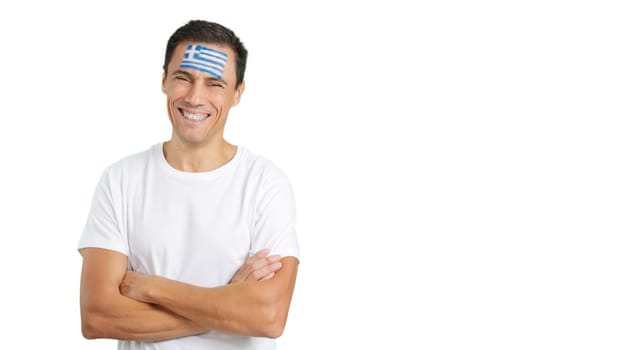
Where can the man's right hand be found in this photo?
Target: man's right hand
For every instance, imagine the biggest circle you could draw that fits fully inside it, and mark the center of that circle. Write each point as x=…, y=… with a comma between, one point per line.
x=259, y=267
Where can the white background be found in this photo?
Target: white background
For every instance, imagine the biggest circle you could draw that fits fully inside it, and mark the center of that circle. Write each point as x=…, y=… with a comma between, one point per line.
x=456, y=164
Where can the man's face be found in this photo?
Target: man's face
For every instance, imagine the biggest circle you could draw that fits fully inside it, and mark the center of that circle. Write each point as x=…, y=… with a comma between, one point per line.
x=200, y=90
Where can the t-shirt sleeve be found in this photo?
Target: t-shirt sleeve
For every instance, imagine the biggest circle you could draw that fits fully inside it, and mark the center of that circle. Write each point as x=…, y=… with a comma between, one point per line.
x=103, y=227
x=276, y=219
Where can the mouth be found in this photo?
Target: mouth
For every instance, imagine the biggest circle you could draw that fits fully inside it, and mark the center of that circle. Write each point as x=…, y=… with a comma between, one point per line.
x=197, y=117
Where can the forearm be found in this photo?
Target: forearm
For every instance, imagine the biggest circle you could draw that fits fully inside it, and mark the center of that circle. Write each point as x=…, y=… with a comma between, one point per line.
x=240, y=309
x=127, y=319
x=106, y=313
x=249, y=308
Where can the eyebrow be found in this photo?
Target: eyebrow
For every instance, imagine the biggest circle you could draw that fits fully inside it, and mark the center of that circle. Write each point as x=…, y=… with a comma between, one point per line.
x=184, y=73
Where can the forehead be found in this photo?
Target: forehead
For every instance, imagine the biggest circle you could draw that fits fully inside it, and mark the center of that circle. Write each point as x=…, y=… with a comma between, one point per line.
x=212, y=59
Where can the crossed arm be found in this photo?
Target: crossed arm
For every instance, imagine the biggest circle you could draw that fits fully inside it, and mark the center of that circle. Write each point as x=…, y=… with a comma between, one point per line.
x=120, y=304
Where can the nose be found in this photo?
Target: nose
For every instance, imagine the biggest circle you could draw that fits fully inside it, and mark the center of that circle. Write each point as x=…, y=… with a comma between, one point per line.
x=195, y=96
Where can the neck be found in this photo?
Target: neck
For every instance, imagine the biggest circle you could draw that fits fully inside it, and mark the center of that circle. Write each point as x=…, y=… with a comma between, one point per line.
x=198, y=158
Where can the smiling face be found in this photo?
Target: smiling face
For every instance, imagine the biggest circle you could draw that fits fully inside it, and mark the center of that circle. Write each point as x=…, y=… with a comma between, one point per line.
x=200, y=90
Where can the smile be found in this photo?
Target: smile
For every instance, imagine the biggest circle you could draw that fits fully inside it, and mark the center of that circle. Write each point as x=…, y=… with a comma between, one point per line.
x=194, y=116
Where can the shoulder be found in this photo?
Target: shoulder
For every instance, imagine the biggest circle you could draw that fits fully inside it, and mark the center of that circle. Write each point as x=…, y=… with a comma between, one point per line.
x=131, y=164
x=261, y=168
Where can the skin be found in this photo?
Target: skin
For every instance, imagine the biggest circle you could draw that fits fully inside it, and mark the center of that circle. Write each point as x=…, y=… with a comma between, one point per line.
x=106, y=313
x=121, y=304
x=248, y=308
x=259, y=267
x=199, y=146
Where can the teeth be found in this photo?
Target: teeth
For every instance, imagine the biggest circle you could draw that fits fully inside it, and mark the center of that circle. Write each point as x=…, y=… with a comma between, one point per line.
x=193, y=116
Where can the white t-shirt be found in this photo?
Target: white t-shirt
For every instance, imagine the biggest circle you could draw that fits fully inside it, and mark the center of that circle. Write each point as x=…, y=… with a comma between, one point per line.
x=197, y=228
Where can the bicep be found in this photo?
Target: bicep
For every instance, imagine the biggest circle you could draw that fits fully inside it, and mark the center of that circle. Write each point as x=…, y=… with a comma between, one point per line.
x=287, y=273
x=106, y=313
x=282, y=284
x=281, y=288
x=102, y=272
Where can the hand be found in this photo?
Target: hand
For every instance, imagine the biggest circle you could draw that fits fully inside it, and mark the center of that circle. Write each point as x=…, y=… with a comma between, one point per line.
x=136, y=285
x=259, y=267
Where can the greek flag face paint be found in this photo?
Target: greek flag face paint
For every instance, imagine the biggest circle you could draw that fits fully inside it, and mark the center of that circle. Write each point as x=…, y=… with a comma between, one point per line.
x=204, y=59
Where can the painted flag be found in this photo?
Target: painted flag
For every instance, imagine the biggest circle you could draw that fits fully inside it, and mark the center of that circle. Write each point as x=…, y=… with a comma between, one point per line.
x=205, y=60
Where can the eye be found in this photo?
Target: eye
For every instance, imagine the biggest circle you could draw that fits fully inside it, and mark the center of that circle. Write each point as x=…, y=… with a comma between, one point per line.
x=182, y=78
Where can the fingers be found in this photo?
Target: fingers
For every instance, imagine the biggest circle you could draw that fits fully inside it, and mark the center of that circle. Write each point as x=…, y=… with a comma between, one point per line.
x=261, y=254
x=253, y=263
x=265, y=272
x=268, y=276
x=258, y=267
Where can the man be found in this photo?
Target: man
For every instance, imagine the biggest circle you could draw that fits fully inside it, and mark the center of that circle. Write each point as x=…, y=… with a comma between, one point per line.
x=175, y=248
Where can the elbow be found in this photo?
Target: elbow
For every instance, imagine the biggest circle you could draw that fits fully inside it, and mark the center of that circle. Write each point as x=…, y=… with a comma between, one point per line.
x=273, y=323
x=89, y=331
x=92, y=326
x=274, y=331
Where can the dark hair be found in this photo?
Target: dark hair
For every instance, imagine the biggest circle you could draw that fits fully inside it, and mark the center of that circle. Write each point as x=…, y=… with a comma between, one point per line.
x=209, y=33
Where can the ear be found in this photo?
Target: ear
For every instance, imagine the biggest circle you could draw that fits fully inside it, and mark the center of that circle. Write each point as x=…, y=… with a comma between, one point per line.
x=164, y=82
x=238, y=93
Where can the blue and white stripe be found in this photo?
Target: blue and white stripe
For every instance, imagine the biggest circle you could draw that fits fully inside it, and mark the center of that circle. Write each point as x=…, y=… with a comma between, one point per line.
x=204, y=59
